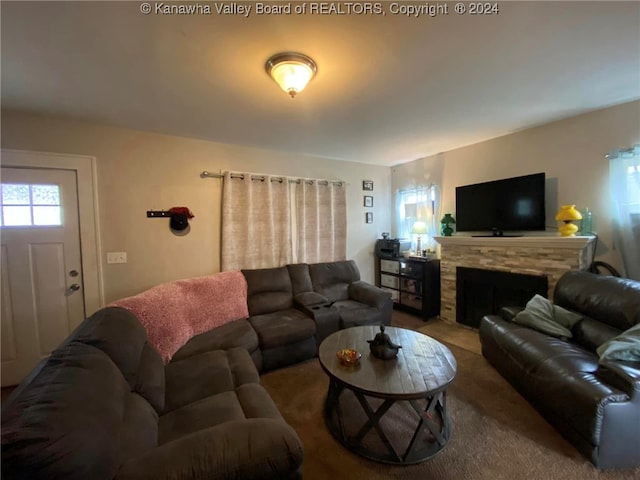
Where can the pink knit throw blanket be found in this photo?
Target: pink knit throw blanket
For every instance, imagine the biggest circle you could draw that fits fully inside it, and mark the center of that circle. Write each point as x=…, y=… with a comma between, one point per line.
x=174, y=312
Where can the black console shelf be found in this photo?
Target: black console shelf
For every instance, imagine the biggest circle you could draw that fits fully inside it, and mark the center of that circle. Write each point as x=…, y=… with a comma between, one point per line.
x=414, y=283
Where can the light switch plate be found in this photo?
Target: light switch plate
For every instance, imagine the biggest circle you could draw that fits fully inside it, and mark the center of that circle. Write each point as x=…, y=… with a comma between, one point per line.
x=116, y=257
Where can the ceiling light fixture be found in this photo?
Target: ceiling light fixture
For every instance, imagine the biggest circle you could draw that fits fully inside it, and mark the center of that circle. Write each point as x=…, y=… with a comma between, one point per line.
x=292, y=71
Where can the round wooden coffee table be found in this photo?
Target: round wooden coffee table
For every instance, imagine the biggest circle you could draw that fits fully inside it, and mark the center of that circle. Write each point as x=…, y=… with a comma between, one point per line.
x=402, y=400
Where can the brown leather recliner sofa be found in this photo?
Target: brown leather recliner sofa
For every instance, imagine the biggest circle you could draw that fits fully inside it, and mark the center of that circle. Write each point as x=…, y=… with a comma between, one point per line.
x=105, y=405
x=593, y=402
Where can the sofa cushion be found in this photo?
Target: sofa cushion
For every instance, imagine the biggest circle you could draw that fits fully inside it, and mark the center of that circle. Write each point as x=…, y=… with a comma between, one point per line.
x=364, y=292
x=590, y=333
x=207, y=412
x=150, y=379
x=269, y=290
x=538, y=354
x=353, y=314
x=256, y=402
x=307, y=299
x=257, y=448
x=76, y=420
x=238, y=333
x=332, y=279
x=300, y=278
x=551, y=359
x=247, y=401
x=206, y=374
x=610, y=300
x=282, y=327
x=105, y=330
x=139, y=428
x=289, y=354
x=140, y=364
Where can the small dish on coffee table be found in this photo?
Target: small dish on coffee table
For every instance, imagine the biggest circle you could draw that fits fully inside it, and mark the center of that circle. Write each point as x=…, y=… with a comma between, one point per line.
x=349, y=357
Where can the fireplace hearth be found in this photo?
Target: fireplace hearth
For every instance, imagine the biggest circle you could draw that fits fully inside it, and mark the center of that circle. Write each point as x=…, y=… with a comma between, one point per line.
x=480, y=292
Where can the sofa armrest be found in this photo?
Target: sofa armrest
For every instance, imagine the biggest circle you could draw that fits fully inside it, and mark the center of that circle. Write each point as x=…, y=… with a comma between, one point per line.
x=364, y=292
x=509, y=313
x=306, y=299
x=324, y=314
x=624, y=376
x=256, y=448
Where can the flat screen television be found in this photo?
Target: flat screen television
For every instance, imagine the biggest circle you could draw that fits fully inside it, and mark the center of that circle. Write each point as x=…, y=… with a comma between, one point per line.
x=508, y=205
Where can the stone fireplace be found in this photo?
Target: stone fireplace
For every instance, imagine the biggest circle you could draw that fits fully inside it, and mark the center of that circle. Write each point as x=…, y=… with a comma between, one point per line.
x=548, y=256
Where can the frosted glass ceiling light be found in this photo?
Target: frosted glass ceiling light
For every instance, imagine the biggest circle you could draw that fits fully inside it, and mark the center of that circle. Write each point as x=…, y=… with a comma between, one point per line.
x=292, y=71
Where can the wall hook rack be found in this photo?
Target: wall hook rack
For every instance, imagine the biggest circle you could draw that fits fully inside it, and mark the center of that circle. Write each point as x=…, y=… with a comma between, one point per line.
x=158, y=213
x=178, y=217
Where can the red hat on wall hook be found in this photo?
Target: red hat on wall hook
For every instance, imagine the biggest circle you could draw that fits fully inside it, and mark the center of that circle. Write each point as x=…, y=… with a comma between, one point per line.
x=179, y=218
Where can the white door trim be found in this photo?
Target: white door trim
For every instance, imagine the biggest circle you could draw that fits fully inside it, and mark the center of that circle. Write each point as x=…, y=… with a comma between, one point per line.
x=85, y=168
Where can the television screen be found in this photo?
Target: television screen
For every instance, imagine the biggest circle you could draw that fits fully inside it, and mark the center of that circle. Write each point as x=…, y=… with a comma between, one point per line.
x=510, y=204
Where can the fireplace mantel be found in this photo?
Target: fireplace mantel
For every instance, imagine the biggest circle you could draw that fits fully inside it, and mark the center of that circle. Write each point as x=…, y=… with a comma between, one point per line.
x=577, y=243
x=548, y=255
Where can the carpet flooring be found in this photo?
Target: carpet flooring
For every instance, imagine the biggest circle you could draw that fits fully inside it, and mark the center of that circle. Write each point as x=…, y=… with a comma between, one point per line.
x=496, y=433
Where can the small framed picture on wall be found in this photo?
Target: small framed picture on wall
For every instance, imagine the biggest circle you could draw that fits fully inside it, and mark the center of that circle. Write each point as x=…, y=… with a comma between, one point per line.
x=367, y=185
x=368, y=201
x=368, y=217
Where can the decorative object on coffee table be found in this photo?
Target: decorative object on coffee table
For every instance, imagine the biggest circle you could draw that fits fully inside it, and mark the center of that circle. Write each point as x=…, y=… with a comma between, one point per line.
x=349, y=357
x=382, y=346
x=446, y=223
x=360, y=398
x=568, y=214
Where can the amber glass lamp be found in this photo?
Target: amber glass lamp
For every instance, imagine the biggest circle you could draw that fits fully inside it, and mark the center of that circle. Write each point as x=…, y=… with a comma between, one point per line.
x=568, y=214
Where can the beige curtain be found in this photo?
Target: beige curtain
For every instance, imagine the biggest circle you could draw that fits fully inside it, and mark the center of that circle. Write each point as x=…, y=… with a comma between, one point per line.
x=256, y=221
x=624, y=180
x=321, y=221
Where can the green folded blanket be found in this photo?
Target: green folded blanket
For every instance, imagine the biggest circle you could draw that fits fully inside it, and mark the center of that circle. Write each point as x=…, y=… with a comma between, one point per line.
x=542, y=315
x=625, y=346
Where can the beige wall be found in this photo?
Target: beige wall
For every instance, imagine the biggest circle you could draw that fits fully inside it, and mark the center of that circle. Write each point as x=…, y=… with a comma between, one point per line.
x=139, y=171
x=570, y=152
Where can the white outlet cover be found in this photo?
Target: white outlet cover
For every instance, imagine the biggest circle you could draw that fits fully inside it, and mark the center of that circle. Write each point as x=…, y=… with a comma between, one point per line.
x=116, y=257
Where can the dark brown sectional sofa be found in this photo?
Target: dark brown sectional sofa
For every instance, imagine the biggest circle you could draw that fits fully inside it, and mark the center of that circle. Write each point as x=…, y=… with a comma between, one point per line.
x=105, y=406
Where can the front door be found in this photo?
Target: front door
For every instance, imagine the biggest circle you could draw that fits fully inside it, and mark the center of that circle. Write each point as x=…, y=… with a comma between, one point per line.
x=41, y=268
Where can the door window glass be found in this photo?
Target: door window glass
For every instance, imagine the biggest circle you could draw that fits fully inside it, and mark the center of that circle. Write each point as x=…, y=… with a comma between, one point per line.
x=25, y=205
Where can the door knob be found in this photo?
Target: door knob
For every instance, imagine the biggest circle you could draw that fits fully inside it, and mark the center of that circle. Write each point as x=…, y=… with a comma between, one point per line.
x=73, y=288
x=73, y=273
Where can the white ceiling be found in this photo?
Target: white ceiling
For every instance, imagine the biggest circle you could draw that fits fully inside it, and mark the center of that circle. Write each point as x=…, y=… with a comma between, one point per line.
x=389, y=88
